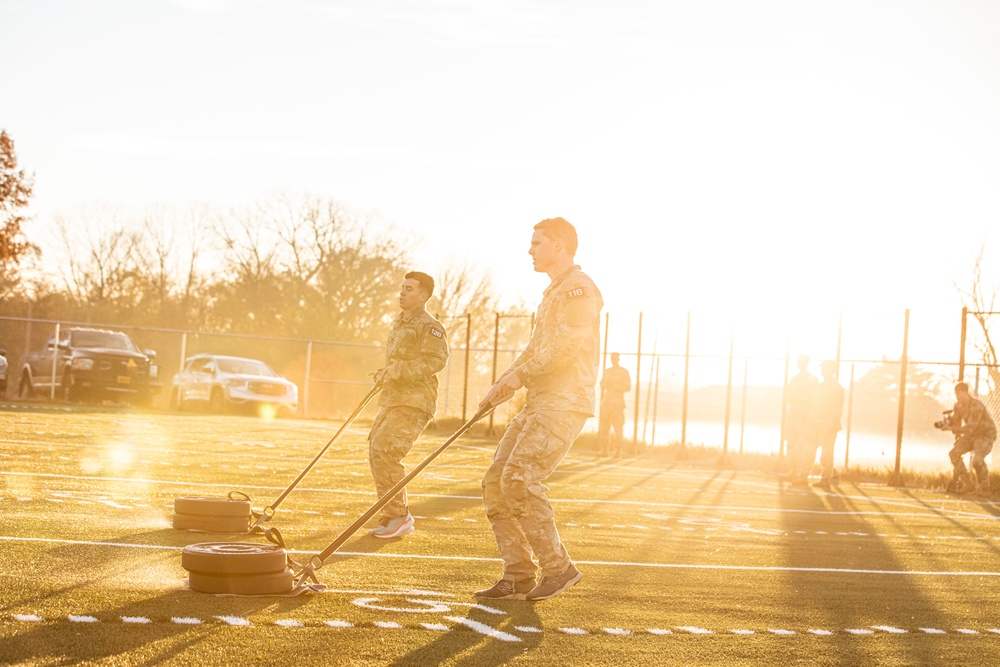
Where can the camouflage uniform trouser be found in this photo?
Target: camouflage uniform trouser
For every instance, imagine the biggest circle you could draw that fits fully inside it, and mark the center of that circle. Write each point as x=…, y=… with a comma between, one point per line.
x=390, y=439
x=522, y=518
x=980, y=446
x=611, y=419
x=823, y=440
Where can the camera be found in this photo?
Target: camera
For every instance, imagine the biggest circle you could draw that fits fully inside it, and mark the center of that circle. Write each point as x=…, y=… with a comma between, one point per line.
x=946, y=421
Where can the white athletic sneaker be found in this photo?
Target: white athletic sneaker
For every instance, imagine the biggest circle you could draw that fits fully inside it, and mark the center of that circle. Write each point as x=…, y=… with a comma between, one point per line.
x=397, y=526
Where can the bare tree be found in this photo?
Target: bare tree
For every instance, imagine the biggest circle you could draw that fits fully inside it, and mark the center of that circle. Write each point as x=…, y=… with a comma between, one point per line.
x=307, y=266
x=981, y=301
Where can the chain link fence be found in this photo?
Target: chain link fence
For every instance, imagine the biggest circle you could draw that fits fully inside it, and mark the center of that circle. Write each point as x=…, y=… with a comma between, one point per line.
x=695, y=381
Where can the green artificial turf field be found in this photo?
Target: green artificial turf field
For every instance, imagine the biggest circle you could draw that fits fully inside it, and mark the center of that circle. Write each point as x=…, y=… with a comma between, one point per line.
x=682, y=565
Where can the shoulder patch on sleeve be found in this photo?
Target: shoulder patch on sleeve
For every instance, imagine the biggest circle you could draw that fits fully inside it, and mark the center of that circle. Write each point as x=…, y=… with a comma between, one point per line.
x=576, y=293
x=437, y=332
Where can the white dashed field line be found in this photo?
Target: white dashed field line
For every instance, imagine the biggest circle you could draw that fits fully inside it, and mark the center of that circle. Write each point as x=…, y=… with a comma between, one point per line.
x=710, y=529
x=475, y=559
x=235, y=621
x=933, y=512
x=482, y=628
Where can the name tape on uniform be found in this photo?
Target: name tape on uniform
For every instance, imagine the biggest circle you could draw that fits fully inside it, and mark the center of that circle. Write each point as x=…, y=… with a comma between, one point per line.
x=437, y=332
x=575, y=293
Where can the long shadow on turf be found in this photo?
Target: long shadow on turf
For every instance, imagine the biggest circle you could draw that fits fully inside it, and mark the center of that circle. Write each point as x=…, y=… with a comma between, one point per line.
x=157, y=636
x=468, y=647
x=844, y=600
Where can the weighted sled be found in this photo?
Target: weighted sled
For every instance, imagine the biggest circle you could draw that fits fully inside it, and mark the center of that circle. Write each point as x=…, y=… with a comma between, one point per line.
x=271, y=583
x=202, y=506
x=212, y=524
x=234, y=558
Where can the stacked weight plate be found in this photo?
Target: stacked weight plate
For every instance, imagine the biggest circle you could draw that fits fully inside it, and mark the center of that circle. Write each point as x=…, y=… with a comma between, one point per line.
x=212, y=515
x=237, y=568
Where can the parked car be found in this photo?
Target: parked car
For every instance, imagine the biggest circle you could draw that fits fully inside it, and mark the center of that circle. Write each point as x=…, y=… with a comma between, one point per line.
x=222, y=383
x=3, y=372
x=87, y=364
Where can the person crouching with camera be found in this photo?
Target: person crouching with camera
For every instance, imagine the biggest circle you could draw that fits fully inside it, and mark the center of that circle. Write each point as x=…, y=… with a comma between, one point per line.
x=975, y=432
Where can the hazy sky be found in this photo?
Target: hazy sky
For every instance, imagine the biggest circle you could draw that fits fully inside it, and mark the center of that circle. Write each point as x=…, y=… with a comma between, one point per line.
x=716, y=155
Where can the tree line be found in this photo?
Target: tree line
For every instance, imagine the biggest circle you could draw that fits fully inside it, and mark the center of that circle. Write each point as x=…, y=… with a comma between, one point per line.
x=289, y=265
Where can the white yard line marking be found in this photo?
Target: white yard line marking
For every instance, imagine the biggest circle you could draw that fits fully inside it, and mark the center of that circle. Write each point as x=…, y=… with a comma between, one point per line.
x=28, y=618
x=234, y=620
x=475, y=559
x=860, y=631
x=388, y=625
x=429, y=606
x=82, y=619
x=528, y=629
x=694, y=630
x=780, y=632
x=932, y=631
x=994, y=631
x=339, y=624
x=438, y=627
x=138, y=620
x=573, y=631
x=484, y=629
x=966, y=631
x=891, y=630
x=821, y=633
x=181, y=620
x=936, y=512
x=287, y=623
x=618, y=632
x=659, y=631
x=743, y=632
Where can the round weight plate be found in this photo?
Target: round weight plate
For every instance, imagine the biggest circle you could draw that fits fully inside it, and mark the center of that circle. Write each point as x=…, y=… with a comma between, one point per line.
x=273, y=583
x=234, y=558
x=212, y=524
x=211, y=506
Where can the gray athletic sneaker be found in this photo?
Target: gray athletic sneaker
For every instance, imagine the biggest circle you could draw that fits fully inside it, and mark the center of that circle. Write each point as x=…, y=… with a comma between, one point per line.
x=507, y=590
x=552, y=586
x=397, y=526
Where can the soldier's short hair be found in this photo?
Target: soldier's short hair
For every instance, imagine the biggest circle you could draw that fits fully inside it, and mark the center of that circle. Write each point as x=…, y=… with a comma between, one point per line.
x=962, y=386
x=560, y=228
x=425, y=281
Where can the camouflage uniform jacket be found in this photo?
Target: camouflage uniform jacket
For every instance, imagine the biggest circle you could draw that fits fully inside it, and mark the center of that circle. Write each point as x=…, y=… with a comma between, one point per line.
x=614, y=383
x=417, y=348
x=977, y=421
x=559, y=365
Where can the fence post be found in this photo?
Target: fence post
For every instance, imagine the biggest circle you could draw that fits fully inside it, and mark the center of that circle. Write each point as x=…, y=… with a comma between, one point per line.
x=638, y=382
x=729, y=401
x=305, y=383
x=55, y=358
x=656, y=399
x=468, y=353
x=607, y=324
x=743, y=403
x=896, y=479
x=687, y=368
x=784, y=403
x=961, y=349
x=184, y=344
x=27, y=336
x=850, y=414
x=496, y=347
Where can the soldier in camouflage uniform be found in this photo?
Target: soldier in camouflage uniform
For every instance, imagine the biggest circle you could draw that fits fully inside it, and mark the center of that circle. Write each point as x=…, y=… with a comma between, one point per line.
x=559, y=369
x=417, y=349
x=976, y=431
x=614, y=383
